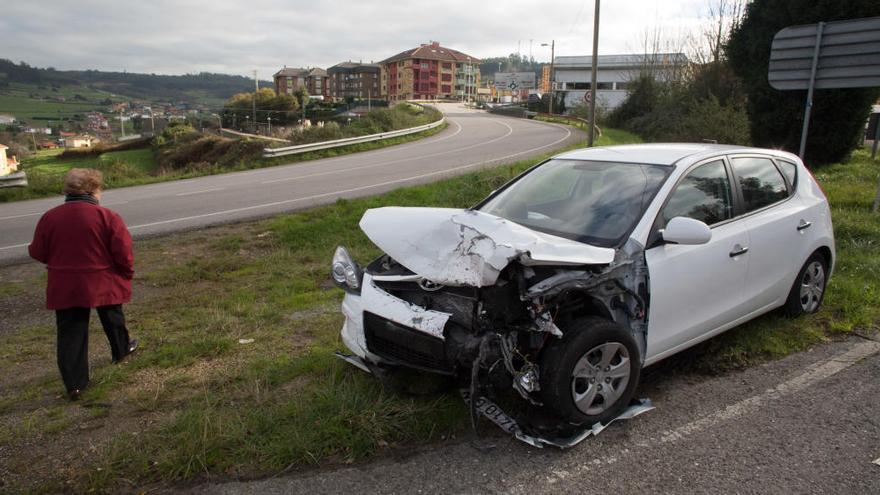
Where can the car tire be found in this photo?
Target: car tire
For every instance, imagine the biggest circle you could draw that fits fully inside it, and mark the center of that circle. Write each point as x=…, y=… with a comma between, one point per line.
x=571, y=384
x=808, y=290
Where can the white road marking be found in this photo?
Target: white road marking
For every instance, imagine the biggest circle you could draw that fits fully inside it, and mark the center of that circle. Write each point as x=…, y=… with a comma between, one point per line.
x=15, y=246
x=199, y=192
x=344, y=191
x=21, y=216
x=366, y=167
x=812, y=375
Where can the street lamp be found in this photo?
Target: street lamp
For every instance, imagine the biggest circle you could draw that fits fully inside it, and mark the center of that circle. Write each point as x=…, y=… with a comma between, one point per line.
x=552, y=79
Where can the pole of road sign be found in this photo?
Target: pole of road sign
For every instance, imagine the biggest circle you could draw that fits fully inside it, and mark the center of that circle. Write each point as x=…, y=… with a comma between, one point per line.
x=809, y=105
x=593, y=76
x=874, y=154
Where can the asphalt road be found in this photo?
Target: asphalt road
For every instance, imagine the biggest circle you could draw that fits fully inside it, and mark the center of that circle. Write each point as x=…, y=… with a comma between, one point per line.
x=806, y=424
x=472, y=140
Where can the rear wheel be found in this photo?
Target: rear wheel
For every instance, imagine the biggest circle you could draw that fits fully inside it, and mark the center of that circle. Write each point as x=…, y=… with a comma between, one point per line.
x=809, y=287
x=590, y=375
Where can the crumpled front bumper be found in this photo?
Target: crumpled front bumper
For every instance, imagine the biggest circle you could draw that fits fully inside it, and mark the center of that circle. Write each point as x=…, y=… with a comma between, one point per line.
x=376, y=301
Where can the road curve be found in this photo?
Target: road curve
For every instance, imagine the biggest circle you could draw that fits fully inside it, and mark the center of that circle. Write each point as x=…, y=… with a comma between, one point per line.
x=473, y=139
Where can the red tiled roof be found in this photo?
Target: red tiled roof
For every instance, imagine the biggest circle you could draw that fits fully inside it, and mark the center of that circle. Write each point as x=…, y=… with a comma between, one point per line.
x=432, y=51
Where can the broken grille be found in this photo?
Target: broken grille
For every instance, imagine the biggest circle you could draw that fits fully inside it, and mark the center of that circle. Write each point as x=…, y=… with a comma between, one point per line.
x=397, y=343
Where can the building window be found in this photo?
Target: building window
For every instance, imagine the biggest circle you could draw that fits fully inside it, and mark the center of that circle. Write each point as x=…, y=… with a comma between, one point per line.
x=446, y=77
x=621, y=85
x=447, y=65
x=425, y=65
x=446, y=88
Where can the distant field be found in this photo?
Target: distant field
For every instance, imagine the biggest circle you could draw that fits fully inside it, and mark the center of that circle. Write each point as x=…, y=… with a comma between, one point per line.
x=46, y=169
x=31, y=101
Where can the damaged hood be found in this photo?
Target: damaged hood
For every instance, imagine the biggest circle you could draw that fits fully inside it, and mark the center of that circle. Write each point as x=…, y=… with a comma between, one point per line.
x=457, y=247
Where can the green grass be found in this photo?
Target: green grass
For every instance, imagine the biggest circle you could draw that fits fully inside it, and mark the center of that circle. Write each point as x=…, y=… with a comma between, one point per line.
x=27, y=101
x=45, y=169
x=283, y=401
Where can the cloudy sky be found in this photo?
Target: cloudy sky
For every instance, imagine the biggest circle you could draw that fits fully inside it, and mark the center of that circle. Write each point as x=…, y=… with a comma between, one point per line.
x=237, y=36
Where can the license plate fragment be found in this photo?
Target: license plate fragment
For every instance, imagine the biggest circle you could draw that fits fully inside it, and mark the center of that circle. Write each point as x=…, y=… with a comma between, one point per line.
x=495, y=414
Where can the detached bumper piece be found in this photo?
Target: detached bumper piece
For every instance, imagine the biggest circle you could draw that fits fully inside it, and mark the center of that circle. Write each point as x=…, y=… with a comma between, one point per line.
x=495, y=414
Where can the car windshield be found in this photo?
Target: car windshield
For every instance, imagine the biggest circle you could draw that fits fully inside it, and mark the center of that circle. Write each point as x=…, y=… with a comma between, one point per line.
x=597, y=203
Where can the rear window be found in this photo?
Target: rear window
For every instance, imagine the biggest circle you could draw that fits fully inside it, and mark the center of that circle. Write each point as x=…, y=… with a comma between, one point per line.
x=760, y=182
x=790, y=171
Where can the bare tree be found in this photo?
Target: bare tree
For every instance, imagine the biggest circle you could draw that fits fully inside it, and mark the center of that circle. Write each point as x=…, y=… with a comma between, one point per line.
x=722, y=18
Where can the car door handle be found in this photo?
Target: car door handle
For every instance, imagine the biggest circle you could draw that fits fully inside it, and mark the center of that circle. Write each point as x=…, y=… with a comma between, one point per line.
x=738, y=250
x=804, y=225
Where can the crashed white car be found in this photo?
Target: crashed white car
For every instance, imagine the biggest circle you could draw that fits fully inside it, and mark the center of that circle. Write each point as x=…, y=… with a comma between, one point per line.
x=571, y=278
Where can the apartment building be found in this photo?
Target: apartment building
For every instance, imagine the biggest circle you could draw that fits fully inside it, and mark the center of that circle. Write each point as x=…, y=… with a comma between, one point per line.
x=430, y=71
x=354, y=79
x=289, y=79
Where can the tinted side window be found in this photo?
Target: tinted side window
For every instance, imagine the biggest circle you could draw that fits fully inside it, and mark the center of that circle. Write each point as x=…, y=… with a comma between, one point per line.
x=790, y=171
x=760, y=182
x=704, y=194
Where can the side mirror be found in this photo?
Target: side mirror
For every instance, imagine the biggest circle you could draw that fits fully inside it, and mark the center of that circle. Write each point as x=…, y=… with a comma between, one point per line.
x=684, y=230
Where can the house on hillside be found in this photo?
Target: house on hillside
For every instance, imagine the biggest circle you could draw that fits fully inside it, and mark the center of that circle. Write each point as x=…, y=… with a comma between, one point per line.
x=81, y=141
x=7, y=165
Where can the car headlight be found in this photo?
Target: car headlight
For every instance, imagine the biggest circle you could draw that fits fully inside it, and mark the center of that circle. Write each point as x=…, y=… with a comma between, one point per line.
x=345, y=272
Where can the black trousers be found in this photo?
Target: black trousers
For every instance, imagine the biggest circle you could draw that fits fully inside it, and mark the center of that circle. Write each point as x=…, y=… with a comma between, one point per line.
x=73, y=341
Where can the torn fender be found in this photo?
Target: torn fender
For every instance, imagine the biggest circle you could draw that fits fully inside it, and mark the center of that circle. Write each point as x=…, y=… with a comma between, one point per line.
x=459, y=247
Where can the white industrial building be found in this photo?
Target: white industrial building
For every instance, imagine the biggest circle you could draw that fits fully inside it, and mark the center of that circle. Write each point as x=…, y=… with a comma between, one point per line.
x=614, y=73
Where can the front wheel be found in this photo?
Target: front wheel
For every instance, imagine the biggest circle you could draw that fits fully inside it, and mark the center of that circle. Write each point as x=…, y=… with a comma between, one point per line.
x=809, y=287
x=590, y=375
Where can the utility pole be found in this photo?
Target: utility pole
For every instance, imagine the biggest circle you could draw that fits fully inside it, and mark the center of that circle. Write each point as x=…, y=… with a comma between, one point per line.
x=369, y=100
x=595, y=61
x=269, y=118
x=256, y=90
x=121, y=123
x=152, y=123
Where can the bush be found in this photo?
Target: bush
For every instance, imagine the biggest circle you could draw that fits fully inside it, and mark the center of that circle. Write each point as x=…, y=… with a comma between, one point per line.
x=776, y=117
x=684, y=112
x=207, y=152
x=402, y=116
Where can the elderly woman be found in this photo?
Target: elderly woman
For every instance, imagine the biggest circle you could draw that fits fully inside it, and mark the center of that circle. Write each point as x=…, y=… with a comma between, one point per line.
x=87, y=250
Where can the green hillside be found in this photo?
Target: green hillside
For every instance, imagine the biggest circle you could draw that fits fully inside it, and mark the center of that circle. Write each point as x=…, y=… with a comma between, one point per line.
x=31, y=93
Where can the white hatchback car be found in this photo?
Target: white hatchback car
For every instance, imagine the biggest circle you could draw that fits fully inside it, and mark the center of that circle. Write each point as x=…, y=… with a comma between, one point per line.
x=568, y=280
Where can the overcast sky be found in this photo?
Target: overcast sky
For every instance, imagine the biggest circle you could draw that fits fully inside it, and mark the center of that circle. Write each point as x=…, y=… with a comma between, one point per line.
x=237, y=36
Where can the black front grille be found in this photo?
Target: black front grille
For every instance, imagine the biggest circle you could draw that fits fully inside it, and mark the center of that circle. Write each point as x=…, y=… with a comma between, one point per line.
x=403, y=345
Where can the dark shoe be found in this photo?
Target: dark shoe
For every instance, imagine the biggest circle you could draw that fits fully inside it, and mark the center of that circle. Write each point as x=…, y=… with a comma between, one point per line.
x=74, y=394
x=132, y=346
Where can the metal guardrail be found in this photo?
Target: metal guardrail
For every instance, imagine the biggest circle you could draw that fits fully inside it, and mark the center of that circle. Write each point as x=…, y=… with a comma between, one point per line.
x=18, y=179
x=304, y=148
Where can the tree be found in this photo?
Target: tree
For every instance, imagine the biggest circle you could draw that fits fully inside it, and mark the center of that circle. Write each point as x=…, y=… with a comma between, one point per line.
x=282, y=108
x=776, y=117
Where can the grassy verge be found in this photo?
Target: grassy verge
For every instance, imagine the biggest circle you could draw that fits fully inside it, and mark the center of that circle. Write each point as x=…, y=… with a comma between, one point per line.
x=197, y=403
x=136, y=167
